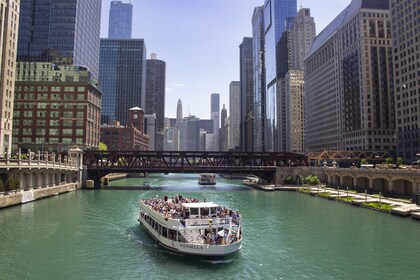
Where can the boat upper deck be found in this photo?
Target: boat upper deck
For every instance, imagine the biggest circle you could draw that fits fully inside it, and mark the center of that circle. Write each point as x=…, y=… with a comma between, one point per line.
x=182, y=208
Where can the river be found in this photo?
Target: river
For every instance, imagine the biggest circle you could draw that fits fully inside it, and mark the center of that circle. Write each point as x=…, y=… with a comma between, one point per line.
x=94, y=234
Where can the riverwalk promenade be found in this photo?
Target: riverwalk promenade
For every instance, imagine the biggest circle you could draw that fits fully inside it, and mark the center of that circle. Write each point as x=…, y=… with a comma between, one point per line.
x=400, y=207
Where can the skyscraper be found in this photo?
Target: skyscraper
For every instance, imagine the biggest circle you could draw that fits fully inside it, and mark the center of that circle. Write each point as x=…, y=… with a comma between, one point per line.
x=155, y=95
x=276, y=13
x=215, y=117
x=9, y=17
x=62, y=32
x=120, y=20
x=258, y=57
x=178, y=113
x=190, y=134
x=349, y=91
x=247, y=94
x=302, y=34
x=123, y=77
x=234, y=114
x=405, y=36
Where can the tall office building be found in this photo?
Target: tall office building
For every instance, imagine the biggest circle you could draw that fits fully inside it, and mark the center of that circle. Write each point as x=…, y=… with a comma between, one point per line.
x=234, y=115
x=276, y=135
x=276, y=13
x=190, y=134
x=349, y=90
x=9, y=18
x=61, y=32
x=120, y=20
x=247, y=94
x=295, y=94
x=302, y=34
x=155, y=95
x=258, y=41
x=406, y=43
x=215, y=117
x=123, y=77
x=179, y=113
x=224, y=130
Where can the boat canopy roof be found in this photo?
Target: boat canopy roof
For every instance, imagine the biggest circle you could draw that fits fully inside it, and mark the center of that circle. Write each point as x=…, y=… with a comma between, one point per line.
x=200, y=205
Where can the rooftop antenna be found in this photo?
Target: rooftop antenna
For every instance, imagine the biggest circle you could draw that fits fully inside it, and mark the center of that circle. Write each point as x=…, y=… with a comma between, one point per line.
x=189, y=113
x=300, y=4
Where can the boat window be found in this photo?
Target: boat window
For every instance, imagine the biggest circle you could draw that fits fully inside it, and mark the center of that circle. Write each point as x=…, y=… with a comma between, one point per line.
x=194, y=211
x=204, y=211
x=213, y=211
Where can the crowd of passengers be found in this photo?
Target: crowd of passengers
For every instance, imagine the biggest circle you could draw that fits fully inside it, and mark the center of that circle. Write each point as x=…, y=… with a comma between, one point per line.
x=172, y=208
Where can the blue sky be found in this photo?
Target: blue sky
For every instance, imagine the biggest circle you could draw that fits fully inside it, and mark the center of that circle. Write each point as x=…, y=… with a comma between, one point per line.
x=199, y=41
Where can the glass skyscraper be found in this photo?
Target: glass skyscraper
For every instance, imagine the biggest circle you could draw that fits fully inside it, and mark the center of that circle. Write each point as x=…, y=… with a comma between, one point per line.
x=120, y=20
x=65, y=32
x=123, y=77
x=155, y=95
x=276, y=13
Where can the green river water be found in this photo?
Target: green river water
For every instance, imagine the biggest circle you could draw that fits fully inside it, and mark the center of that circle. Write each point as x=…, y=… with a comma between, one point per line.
x=94, y=234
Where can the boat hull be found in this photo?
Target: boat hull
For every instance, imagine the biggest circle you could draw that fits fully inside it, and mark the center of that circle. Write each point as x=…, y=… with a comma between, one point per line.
x=196, y=249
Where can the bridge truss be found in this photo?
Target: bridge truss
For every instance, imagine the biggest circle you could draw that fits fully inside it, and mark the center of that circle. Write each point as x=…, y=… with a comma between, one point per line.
x=186, y=161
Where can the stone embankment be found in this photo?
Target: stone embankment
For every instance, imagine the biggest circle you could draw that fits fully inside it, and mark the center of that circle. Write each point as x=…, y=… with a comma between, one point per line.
x=20, y=197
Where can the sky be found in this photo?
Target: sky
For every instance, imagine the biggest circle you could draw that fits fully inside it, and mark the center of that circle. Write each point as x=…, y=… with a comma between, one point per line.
x=199, y=41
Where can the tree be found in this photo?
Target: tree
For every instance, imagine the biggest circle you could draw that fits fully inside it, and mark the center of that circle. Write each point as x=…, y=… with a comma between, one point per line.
x=400, y=160
x=363, y=161
x=103, y=146
x=12, y=183
x=312, y=180
x=389, y=160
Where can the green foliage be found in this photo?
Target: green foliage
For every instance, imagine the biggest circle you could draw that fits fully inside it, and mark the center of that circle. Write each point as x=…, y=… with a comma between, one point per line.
x=379, y=206
x=12, y=183
x=345, y=199
x=288, y=180
x=363, y=161
x=400, y=160
x=312, y=180
x=389, y=160
x=304, y=190
x=103, y=146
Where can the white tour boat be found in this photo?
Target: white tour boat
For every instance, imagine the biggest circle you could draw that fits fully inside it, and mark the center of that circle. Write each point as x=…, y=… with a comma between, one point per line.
x=207, y=179
x=188, y=226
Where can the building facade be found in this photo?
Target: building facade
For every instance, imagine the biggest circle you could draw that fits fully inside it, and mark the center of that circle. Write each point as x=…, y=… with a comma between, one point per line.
x=295, y=132
x=9, y=27
x=349, y=90
x=276, y=13
x=301, y=36
x=406, y=43
x=123, y=77
x=155, y=95
x=247, y=94
x=234, y=115
x=190, y=134
x=62, y=32
x=120, y=20
x=258, y=57
x=132, y=136
x=215, y=117
x=55, y=107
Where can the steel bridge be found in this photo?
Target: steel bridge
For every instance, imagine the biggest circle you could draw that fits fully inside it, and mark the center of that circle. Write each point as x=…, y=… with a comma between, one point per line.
x=100, y=163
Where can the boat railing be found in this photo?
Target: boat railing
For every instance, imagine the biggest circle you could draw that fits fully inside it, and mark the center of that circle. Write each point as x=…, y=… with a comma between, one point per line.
x=207, y=222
